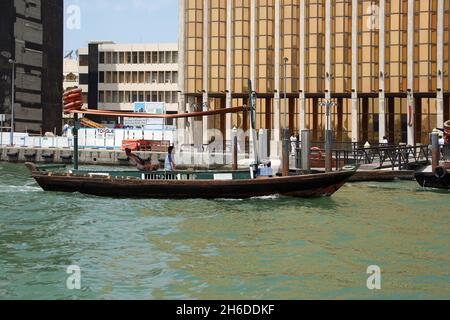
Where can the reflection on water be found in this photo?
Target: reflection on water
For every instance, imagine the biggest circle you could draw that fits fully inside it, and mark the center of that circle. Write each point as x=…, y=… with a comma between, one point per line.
x=265, y=248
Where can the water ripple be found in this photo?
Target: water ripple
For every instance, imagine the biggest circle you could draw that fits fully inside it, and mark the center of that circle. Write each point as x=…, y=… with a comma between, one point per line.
x=262, y=248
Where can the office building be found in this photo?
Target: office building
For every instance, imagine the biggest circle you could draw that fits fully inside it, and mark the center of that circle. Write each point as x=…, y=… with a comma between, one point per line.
x=114, y=76
x=32, y=36
x=384, y=63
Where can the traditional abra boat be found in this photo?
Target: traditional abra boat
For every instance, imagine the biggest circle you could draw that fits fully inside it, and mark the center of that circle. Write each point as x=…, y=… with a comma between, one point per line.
x=439, y=178
x=189, y=184
x=257, y=181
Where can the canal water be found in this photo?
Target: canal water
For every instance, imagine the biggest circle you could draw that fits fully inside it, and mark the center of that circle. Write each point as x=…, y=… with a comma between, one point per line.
x=265, y=248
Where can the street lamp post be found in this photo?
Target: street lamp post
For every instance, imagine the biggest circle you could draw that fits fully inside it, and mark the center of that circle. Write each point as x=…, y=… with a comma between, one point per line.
x=285, y=158
x=328, y=134
x=8, y=56
x=13, y=63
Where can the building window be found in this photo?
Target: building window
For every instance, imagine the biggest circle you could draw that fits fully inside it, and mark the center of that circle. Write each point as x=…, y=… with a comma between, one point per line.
x=102, y=58
x=108, y=57
x=121, y=57
x=84, y=60
x=101, y=77
x=84, y=78
x=170, y=122
x=174, y=57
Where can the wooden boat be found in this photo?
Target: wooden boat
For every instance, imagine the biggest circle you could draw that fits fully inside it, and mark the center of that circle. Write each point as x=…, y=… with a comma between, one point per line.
x=439, y=179
x=254, y=182
x=189, y=184
x=382, y=175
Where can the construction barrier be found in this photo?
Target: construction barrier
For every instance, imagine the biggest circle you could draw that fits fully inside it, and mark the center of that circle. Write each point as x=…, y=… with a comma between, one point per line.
x=89, y=138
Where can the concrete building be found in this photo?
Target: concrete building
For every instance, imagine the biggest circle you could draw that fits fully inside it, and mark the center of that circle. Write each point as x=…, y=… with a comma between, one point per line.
x=70, y=72
x=385, y=64
x=113, y=76
x=32, y=35
x=71, y=76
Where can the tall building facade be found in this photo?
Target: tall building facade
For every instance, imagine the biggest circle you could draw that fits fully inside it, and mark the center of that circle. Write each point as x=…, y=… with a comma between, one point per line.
x=32, y=36
x=114, y=76
x=385, y=64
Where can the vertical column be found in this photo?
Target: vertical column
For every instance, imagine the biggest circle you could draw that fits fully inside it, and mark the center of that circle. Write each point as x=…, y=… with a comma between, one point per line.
x=192, y=123
x=410, y=70
x=228, y=103
x=440, y=64
x=252, y=40
x=328, y=133
x=381, y=76
x=302, y=113
x=355, y=106
x=276, y=120
x=181, y=123
x=328, y=56
x=205, y=99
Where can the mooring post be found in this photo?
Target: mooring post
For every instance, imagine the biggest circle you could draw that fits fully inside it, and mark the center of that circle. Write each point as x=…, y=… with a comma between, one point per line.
x=328, y=150
x=75, y=140
x=235, y=151
x=285, y=154
x=435, y=151
x=306, y=150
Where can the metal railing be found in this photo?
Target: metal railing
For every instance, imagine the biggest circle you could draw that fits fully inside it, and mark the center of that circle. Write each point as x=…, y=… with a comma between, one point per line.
x=381, y=157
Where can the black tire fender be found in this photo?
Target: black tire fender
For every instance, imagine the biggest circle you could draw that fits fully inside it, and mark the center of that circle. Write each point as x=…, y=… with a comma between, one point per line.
x=440, y=172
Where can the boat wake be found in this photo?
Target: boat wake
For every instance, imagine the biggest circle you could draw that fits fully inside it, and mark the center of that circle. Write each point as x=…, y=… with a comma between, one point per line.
x=19, y=189
x=273, y=197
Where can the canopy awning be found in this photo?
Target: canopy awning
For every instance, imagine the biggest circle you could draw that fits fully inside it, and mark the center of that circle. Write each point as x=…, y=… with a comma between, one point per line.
x=159, y=116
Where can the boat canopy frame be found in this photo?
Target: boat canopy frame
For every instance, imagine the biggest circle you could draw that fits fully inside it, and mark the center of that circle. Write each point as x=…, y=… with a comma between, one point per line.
x=77, y=126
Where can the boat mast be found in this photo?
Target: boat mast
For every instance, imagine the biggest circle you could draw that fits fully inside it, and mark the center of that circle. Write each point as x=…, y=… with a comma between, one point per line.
x=252, y=106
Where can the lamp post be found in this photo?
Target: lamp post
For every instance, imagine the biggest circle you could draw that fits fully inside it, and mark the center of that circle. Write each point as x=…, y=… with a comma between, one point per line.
x=13, y=63
x=285, y=158
x=285, y=60
x=328, y=134
x=8, y=56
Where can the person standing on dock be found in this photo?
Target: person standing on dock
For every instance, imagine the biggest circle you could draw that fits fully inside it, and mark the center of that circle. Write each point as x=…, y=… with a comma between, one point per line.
x=169, y=163
x=293, y=144
x=65, y=130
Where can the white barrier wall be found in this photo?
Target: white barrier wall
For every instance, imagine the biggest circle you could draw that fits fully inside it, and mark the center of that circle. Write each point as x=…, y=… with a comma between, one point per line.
x=88, y=138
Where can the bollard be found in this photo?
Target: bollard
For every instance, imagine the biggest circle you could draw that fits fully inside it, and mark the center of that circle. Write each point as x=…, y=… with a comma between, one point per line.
x=306, y=150
x=235, y=152
x=75, y=141
x=285, y=153
x=435, y=151
x=263, y=144
x=328, y=150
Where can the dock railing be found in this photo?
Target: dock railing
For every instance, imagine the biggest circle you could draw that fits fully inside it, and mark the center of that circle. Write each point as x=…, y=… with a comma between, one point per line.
x=381, y=156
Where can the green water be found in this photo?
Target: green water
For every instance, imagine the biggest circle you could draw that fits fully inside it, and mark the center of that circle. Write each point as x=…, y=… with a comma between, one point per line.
x=271, y=248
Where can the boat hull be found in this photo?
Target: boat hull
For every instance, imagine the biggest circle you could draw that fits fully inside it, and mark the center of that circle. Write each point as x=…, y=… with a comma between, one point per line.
x=306, y=186
x=381, y=175
x=431, y=180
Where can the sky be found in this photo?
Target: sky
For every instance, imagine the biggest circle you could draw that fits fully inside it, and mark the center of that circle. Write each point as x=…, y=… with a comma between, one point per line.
x=121, y=21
